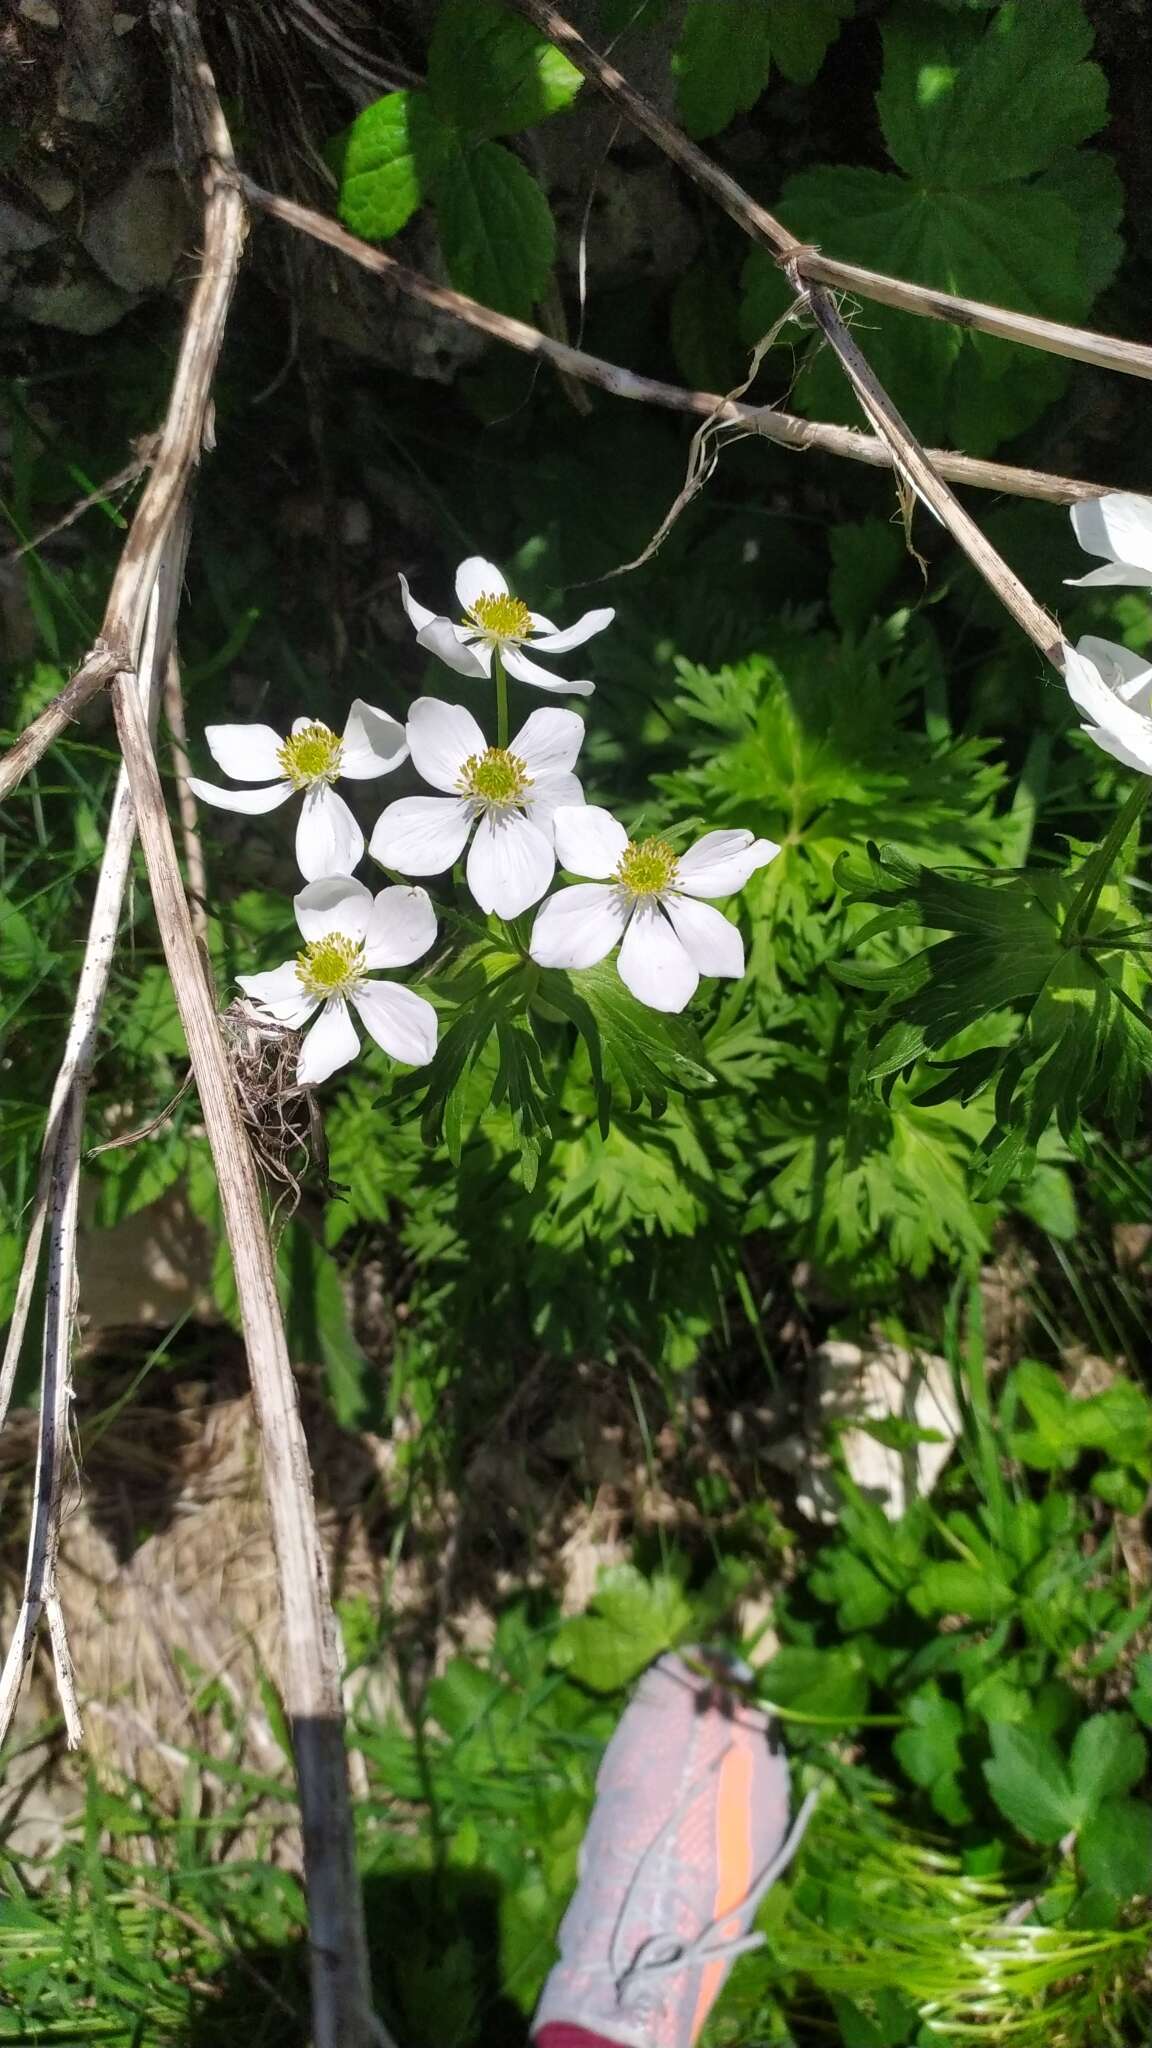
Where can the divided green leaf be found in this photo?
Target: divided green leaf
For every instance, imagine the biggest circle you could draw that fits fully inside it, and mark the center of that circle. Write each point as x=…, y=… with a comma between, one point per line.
x=491, y=73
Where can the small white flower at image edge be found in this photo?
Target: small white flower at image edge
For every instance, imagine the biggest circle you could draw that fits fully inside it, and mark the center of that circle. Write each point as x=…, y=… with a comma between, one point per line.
x=349, y=934
x=1117, y=526
x=494, y=621
x=646, y=897
x=503, y=799
x=1112, y=687
x=328, y=839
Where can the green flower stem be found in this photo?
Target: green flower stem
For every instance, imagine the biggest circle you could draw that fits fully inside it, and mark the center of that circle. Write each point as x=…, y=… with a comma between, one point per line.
x=1097, y=868
x=501, y=699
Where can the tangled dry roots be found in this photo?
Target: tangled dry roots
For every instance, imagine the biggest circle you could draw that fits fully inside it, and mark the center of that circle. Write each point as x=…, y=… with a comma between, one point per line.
x=285, y=1131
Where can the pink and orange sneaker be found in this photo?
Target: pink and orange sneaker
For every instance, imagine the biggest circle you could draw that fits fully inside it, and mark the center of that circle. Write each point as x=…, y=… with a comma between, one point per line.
x=689, y=1830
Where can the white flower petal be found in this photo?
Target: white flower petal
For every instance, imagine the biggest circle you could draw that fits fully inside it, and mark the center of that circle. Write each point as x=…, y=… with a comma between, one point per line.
x=442, y=639
x=510, y=863
x=478, y=578
x=722, y=862
x=712, y=944
x=517, y=664
x=1117, y=526
x=251, y=801
x=589, y=841
x=328, y=839
x=654, y=964
x=330, y=1044
x=442, y=737
x=578, y=926
x=1113, y=572
x=249, y=752
x=548, y=795
x=336, y=903
x=421, y=835
x=1124, y=671
x=401, y=927
x=553, y=642
x=373, y=744
x=279, y=993
x=400, y=1021
x=549, y=740
x=1116, y=726
x=417, y=612
x=542, y=625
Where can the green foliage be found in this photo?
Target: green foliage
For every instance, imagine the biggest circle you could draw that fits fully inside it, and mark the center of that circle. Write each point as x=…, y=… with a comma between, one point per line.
x=489, y=74
x=1029, y=222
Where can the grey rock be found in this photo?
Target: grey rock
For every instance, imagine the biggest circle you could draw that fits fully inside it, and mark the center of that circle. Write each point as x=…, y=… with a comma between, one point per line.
x=21, y=232
x=98, y=75
x=137, y=232
x=79, y=304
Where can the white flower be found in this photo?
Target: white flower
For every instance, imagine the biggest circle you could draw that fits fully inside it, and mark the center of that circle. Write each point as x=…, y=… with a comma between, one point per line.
x=348, y=932
x=508, y=793
x=1119, y=527
x=1113, y=687
x=646, y=895
x=328, y=839
x=493, y=619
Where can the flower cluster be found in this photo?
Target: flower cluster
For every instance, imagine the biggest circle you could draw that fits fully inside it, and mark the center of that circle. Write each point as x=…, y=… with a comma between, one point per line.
x=1110, y=684
x=517, y=808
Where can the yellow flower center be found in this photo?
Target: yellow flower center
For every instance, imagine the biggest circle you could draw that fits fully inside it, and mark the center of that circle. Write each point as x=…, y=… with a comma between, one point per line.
x=502, y=618
x=647, y=869
x=495, y=777
x=330, y=966
x=311, y=755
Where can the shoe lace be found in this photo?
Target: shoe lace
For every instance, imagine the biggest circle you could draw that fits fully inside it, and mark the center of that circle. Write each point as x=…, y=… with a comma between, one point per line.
x=661, y=1954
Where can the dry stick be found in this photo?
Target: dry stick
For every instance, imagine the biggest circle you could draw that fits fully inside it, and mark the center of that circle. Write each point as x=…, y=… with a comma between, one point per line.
x=185, y=801
x=908, y=456
x=783, y=427
x=1104, y=350
x=57, y=1206
x=341, y=2011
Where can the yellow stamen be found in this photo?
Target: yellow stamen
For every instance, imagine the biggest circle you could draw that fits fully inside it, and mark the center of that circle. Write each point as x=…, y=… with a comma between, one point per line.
x=502, y=618
x=496, y=778
x=647, y=869
x=311, y=755
x=330, y=966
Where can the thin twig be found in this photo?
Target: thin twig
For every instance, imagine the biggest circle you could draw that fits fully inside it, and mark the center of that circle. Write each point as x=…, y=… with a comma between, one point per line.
x=765, y=420
x=119, y=482
x=1104, y=350
x=57, y=1209
x=185, y=800
x=763, y=227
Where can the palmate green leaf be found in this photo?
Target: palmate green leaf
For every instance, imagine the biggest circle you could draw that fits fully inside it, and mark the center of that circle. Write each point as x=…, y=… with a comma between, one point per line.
x=642, y=1051
x=491, y=73
x=721, y=62
x=390, y=157
x=1115, y=1848
x=1029, y=222
x=496, y=227
x=967, y=102
x=829, y=1685
x=1109, y=1757
x=1028, y=1780
x=929, y=1750
x=631, y=1620
x=800, y=33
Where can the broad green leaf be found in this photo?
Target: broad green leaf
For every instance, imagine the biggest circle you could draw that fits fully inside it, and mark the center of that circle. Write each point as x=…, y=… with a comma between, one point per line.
x=800, y=32
x=631, y=1620
x=1140, y=1697
x=958, y=1588
x=495, y=225
x=1115, y=1848
x=721, y=62
x=849, y=1584
x=1028, y=1780
x=1120, y=1490
x=491, y=73
x=865, y=558
x=391, y=154
x=929, y=1749
x=830, y=1685
x=964, y=103
x=1109, y=1757
x=461, y=1696
x=704, y=318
